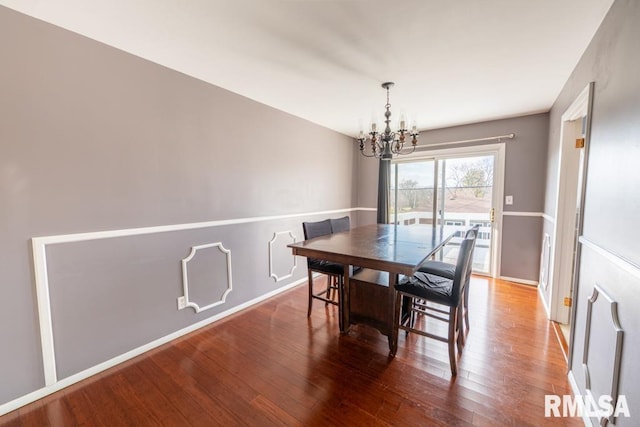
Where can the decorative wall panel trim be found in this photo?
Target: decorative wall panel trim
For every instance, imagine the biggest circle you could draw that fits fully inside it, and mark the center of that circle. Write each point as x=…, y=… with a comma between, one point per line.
x=618, y=332
x=185, y=276
x=545, y=261
x=548, y=218
x=514, y=213
x=78, y=237
x=619, y=261
x=272, y=273
x=39, y=246
x=44, y=311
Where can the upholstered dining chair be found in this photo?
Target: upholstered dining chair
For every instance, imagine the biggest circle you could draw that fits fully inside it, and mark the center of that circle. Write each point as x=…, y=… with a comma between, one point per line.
x=333, y=271
x=340, y=224
x=444, y=292
x=444, y=269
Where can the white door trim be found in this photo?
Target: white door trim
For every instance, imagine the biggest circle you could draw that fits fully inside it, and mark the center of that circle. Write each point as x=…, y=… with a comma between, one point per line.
x=563, y=236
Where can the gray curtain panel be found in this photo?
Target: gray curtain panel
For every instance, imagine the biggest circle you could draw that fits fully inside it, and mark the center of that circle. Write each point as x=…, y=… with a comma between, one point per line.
x=384, y=184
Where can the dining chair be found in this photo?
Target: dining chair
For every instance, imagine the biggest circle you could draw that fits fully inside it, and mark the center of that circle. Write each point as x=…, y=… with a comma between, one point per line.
x=340, y=224
x=333, y=271
x=447, y=270
x=442, y=291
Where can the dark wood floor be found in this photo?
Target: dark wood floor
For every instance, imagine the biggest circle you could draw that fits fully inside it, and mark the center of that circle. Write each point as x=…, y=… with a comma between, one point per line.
x=270, y=365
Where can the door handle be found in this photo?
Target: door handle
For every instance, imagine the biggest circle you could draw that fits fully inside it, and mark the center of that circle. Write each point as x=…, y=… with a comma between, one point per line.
x=492, y=215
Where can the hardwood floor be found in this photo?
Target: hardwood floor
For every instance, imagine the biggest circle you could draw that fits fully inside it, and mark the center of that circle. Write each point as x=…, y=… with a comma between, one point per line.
x=270, y=365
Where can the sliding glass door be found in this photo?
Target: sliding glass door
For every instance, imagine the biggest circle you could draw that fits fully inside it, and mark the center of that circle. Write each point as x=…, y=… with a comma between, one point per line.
x=412, y=192
x=452, y=191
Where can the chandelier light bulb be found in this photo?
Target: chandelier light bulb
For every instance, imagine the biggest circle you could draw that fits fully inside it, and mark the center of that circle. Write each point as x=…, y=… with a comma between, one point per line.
x=403, y=122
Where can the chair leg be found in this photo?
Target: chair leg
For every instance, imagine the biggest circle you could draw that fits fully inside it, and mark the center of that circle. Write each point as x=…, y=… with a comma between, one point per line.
x=337, y=291
x=332, y=291
x=461, y=331
x=453, y=316
x=460, y=328
x=336, y=288
x=465, y=304
x=310, y=292
x=329, y=292
x=412, y=315
x=466, y=314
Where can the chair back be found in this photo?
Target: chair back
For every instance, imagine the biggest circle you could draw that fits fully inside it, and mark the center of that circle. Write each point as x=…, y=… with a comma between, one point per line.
x=473, y=234
x=463, y=268
x=340, y=224
x=473, y=231
x=316, y=229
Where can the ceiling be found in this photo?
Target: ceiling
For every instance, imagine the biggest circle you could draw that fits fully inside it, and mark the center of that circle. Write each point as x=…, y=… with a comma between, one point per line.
x=453, y=62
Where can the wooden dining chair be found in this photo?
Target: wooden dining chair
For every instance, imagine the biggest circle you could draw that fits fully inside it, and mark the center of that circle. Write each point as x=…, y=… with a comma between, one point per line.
x=445, y=269
x=444, y=292
x=333, y=271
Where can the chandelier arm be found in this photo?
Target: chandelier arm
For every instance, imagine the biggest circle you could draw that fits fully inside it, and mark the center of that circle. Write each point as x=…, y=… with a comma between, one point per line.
x=369, y=155
x=404, y=153
x=363, y=144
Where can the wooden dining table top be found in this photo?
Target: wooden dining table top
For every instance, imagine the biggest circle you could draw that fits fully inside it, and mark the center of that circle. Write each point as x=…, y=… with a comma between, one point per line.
x=397, y=249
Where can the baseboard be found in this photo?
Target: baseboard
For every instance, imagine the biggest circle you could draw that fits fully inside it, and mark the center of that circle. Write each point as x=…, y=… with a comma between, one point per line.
x=564, y=346
x=66, y=382
x=576, y=392
x=547, y=310
x=521, y=281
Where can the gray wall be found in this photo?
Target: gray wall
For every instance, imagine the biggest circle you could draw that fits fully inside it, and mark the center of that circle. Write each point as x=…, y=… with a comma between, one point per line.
x=96, y=139
x=610, y=255
x=524, y=179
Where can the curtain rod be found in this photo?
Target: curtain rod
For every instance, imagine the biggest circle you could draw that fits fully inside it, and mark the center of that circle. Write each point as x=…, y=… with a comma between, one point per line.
x=489, y=138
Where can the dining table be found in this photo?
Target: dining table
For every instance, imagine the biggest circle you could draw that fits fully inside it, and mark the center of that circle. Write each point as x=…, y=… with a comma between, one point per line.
x=380, y=253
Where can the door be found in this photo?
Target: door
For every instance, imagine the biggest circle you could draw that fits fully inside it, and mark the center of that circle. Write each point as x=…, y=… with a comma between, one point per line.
x=567, y=225
x=454, y=188
x=466, y=199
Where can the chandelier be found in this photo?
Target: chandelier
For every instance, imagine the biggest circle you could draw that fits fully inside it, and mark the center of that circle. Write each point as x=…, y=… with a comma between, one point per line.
x=384, y=145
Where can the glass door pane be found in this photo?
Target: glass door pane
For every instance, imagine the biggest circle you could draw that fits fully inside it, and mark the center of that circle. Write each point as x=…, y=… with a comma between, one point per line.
x=466, y=200
x=412, y=197
x=456, y=191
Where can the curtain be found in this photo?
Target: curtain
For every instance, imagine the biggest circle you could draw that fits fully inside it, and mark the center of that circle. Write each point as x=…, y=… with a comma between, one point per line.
x=384, y=184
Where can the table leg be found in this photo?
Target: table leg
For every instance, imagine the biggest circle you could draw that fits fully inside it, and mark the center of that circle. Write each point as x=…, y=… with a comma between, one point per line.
x=393, y=314
x=343, y=307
